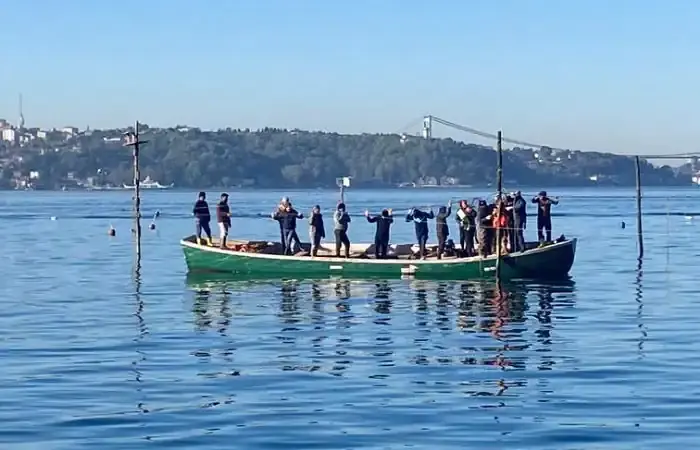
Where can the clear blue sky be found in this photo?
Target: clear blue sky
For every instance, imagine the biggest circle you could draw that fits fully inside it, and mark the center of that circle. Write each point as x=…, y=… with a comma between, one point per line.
x=615, y=75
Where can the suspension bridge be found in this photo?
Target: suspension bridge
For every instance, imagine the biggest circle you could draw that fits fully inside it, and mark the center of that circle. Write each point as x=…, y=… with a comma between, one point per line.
x=429, y=121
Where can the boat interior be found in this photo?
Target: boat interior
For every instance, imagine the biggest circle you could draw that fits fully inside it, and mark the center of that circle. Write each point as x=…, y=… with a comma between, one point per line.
x=360, y=250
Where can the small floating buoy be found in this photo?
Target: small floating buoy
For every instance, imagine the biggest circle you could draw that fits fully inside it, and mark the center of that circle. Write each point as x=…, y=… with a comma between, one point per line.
x=53, y=217
x=112, y=231
x=622, y=225
x=152, y=226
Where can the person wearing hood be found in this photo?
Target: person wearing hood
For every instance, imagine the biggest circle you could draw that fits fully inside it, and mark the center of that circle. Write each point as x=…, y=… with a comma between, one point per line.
x=223, y=217
x=466, y=218
x=287, y=218
x=483, y=220
x=202, y=217
x=420, y=222
x=441, y=229
x=317, y=230
x=544, y=216
x=381, y=236
x=341, y=219
x=519, y=222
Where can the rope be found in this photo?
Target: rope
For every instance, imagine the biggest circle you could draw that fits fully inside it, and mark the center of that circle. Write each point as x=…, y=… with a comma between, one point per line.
x=485, y=134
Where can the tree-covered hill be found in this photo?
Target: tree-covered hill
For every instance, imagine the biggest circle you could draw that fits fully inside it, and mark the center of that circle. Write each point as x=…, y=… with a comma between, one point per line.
x=273, y=158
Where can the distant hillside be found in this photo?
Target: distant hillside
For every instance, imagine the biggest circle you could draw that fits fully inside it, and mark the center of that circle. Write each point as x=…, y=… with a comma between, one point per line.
x=274, y=158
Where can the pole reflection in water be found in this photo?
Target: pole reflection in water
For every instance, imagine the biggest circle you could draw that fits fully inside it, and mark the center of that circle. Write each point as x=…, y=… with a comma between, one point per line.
x=142, y=332
x=639, y=297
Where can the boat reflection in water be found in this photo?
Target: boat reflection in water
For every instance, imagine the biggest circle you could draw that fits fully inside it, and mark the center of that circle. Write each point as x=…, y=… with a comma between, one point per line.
x=424, y=333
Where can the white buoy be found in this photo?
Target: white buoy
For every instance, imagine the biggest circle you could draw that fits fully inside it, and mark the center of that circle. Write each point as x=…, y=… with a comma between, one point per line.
x=53, y=217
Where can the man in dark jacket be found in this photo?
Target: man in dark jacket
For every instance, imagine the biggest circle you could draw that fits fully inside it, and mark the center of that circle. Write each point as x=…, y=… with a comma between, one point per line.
x=202, y=217
x=420, y=222
x=519, y=221
x=223, y=217
x=288, y=220
x=317, y=230
x=381, y=236
x=441, y=228
x=544, y=216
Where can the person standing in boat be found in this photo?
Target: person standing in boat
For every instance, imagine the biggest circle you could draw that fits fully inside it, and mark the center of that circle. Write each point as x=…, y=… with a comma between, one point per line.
x=202, y=217
x=483, y=219
x=466, y=220
x=341, y=219
x=441, y=229
x=223, y=217
x=544, y=216
x=420, y=222
x=288, y=221
x=519, y=221
x=381, y=236
x=282, y=207
x=317, y=230
x=500, y=226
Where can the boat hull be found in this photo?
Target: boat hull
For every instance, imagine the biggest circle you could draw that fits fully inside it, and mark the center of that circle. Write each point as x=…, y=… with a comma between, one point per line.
x=549, y=262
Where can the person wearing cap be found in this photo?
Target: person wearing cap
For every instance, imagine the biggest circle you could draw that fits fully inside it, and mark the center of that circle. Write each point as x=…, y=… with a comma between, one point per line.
x=202, y=217
x=544, y=216
x=223, y=217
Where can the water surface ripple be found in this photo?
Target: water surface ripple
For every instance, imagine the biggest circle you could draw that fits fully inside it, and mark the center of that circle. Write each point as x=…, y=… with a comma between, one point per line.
x=95, y=357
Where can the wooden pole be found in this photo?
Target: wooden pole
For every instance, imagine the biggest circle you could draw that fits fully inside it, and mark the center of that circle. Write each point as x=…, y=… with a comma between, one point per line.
x=499, y=184
x=137, y=193
x=133, y=140
x=638, y=177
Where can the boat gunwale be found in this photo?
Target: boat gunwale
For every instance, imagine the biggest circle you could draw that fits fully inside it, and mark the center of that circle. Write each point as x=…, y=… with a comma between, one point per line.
x=332, y=259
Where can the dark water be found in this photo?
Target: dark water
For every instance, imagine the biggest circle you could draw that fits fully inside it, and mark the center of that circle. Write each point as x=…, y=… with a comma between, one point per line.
x=93, y=358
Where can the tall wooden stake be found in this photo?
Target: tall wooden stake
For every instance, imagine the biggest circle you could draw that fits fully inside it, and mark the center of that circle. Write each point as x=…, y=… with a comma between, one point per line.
x=638, y=177
x=132, y=140
x=499, y=184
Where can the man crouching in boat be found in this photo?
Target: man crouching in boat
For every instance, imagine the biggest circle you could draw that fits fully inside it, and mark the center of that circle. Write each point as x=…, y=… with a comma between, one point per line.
x=317, y=231
x=223, y=217
x=288, y=220
x=202, y=217
x=381, y=236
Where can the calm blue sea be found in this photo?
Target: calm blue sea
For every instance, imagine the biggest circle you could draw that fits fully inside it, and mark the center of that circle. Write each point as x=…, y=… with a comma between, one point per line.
x=94, y=358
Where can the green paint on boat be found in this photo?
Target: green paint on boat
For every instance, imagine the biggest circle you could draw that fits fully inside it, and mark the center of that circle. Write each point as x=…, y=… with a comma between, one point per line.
x=549, y=262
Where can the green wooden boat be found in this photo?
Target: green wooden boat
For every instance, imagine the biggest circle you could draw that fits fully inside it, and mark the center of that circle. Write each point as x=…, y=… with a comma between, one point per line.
x=257, y=258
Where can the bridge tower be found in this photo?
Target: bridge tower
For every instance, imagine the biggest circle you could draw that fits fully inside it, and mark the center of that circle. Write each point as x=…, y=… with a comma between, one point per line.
x=427, y=127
